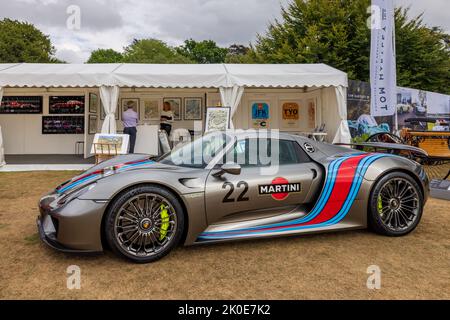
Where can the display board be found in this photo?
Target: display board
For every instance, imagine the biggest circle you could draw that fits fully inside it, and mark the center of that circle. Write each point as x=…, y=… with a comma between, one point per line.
x=107, y=144
x=21, y=105
x=63, y=125
x=66, y=104
x=147, y=140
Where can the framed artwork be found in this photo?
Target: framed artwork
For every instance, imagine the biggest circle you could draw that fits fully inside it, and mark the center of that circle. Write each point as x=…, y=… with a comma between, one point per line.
x=106, y=143
x=151, y=109
x=93, y=124
x=63, y=125
x=175, y=106
x=193, y=108
x=130, y=102
x=217, y=119
x=66, y=104
x=103, y=114
x=21, y=105
x=93, y=103
x=290, y=114
x=260, y=115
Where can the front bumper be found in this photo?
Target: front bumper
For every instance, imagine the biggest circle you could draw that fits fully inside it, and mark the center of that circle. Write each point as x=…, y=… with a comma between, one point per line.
x=74, y=227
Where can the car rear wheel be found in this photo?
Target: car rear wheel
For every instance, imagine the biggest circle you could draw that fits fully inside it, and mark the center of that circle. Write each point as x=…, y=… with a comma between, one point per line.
x=144, y=223
x=396, y=205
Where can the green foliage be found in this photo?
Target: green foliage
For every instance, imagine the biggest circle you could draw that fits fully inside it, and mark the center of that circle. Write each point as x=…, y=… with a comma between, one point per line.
x=152, y=51
x=206, y=51
x=335, y=32
x=238, y=53
x=105, y=56
x=22, y=42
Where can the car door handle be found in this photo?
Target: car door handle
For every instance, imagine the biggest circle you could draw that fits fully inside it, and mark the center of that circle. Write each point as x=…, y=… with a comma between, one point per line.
x=314, y=171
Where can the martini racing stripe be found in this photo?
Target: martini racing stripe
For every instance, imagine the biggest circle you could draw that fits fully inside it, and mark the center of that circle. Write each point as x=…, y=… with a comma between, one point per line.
x=333, y=168
x=334, y=203
x=99, y=173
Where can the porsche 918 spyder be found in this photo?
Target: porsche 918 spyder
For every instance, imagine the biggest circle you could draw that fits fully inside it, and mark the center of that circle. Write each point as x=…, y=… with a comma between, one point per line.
x=222, y=187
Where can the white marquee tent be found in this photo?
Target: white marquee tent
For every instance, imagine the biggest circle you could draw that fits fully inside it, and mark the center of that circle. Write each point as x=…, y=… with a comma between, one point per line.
x=231, y=80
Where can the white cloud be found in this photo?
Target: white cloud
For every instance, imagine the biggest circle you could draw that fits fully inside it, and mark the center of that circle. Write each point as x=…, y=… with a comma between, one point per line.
x=115, y=23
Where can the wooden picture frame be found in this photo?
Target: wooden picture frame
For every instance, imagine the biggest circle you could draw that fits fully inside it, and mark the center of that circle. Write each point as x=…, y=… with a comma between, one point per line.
x=193, y=109
x=151, y=109
x=93, y=103
x=93, y=124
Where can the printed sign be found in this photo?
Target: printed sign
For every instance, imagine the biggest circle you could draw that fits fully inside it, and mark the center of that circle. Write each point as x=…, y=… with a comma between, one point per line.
x=279, y=189
x=260, y=111
x=291, y=111
x=290, y=114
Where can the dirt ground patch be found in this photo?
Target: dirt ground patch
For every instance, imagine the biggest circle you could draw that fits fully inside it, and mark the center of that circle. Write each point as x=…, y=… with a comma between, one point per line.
x=326, y=266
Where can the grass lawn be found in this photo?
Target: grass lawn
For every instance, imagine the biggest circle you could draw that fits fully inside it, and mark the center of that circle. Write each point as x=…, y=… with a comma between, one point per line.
x=326, y=266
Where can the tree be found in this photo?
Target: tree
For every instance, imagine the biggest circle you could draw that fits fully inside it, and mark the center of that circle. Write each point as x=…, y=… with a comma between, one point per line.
x=152, y=51
x=237, y=53
x=335, y=32
x=22, y=42
x=206, y=51
x=105, y=56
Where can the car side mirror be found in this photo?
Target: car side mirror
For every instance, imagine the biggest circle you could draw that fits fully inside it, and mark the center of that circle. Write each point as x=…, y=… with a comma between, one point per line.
x=230, y=168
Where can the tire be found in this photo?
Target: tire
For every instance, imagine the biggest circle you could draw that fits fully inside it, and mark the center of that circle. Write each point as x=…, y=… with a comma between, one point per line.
x=144, y=223
x=395, y=212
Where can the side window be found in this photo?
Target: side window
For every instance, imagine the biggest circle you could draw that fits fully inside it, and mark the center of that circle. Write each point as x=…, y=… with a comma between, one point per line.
x=249, y=152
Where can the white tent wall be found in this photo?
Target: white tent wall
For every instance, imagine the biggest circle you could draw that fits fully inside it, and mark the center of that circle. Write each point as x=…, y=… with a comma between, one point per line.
x=330, y=114
x=276, y=97
x=2, y=151
x=22, y=133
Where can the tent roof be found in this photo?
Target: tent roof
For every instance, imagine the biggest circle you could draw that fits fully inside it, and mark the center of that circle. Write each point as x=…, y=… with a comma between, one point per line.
x=170, y=75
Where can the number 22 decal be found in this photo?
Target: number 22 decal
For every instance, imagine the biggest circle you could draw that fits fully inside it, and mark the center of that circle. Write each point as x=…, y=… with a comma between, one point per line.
x=241, y=197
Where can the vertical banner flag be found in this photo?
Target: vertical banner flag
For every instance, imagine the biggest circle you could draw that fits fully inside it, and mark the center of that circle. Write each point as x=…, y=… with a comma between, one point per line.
x=383, y=77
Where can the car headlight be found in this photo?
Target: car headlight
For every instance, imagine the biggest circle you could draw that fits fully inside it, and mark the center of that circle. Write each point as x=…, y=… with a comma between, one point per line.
x=75, y=194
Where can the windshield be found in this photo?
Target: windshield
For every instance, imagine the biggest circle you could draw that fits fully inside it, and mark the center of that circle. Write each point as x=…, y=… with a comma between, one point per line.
x=199, y=153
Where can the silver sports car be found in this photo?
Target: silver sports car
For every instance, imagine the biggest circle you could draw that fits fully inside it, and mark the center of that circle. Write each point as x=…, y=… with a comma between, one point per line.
x=235, y=186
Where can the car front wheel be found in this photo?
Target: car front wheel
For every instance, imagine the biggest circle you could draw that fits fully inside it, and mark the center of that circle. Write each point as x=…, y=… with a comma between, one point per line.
x=144, y=223
x=396, y=205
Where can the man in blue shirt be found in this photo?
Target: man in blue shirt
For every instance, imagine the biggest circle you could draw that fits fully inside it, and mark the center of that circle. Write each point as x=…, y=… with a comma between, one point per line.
x=130, y=120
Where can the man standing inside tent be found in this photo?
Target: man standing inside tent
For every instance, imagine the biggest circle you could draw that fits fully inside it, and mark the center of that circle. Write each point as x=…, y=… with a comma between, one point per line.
x=130, y=120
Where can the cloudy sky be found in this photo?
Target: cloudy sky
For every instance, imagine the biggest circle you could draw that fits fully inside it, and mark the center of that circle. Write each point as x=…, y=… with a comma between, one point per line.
x=114, y=23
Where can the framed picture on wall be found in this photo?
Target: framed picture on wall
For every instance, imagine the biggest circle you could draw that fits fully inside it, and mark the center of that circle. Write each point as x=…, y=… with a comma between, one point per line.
x=134, y=103
x=93, y=124
x=217, y=119
x=93, y=103
x=21, y=105
x=290, y=114
x=66, y=104
x=193, y=108
x=62, y=124
x=260, y=114
x=151, y=109
x=175, y=106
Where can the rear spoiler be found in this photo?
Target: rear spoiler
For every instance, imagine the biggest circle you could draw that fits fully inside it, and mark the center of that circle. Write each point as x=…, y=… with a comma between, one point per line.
x=387, y=146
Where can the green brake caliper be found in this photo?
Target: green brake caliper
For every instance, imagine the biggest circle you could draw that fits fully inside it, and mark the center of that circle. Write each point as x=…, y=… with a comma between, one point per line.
x=380, y=206
x=164, y=222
